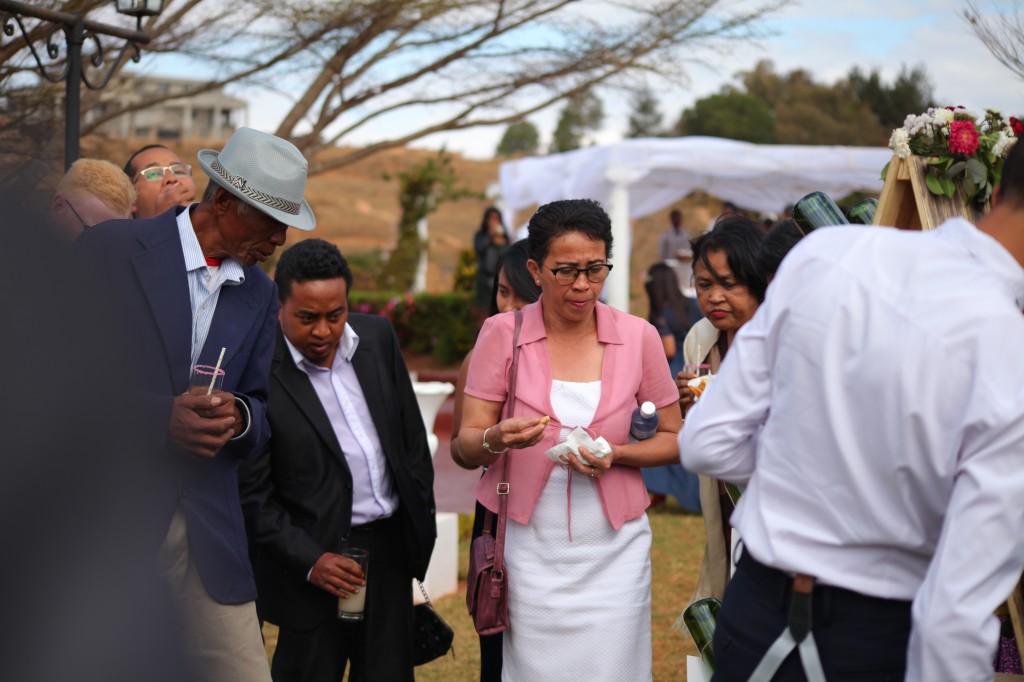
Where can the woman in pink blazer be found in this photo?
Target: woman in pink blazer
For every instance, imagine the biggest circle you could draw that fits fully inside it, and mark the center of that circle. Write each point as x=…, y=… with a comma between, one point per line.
x=578, y=540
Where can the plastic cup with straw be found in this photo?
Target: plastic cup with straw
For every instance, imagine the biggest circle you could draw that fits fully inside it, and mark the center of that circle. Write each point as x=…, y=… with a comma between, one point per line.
x=216, y=371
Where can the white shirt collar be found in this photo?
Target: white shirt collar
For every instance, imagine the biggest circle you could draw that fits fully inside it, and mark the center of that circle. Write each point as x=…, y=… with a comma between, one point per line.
x=984, y=248
x=231, y=270
x=346, y=349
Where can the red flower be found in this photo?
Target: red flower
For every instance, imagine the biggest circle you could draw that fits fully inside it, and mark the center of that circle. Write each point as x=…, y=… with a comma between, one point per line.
x=1017, y=125
x=963, y=137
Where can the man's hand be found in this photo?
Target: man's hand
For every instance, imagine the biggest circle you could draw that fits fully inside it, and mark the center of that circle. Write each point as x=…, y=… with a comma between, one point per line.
x=202, y=424
x=174, y=194
x=337, y=575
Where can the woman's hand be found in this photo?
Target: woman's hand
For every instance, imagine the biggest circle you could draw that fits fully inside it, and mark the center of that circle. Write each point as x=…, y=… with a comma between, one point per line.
x=595, y=466
x=686, y=396
x=516, y=432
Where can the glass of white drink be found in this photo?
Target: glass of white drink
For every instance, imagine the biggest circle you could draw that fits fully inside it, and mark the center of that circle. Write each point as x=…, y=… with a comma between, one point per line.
x=351, y=609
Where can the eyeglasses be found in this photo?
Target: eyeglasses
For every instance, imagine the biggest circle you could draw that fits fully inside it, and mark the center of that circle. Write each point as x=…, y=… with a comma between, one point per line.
x=155, y=173
x=568, y=274
x=85, y=225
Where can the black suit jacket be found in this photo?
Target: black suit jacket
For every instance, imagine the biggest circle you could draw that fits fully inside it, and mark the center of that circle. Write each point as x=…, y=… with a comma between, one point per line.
x=297, y=491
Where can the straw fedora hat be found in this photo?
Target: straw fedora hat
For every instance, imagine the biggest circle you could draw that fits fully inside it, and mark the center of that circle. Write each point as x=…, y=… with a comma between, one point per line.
x=265, y=172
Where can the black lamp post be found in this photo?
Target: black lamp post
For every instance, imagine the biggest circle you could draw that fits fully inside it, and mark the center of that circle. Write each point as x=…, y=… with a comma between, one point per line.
x=77, y=29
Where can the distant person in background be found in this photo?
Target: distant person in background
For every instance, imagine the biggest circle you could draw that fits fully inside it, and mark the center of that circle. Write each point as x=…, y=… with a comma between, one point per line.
x=674, y=243
x=728, y=209
x=161, y=180
x=91, y=192
x=489, y=242
x=668, y=312
x=514, y=288
x=675, y=249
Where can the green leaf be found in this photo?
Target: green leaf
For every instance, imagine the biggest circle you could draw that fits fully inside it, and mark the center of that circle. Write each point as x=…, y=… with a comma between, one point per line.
x=934, y=184
x=976, y=171
x=970, y=187
x=956, y=169
x=948, y=186
x=941, y=163
x=885, y=170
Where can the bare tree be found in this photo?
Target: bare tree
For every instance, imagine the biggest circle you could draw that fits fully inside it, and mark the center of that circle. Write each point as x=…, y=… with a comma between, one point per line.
x=1003, y=35
x=433, y=65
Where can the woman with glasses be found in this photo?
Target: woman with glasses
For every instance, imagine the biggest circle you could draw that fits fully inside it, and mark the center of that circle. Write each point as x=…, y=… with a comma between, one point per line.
x=161, y=180
x=730, y=283
x=514, y=288
x=578, y=541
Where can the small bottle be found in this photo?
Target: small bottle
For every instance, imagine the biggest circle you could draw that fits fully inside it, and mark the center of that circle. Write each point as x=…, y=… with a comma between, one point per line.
x=700, y=618
x=817, y=210
x=644, y=422
x=863, y=212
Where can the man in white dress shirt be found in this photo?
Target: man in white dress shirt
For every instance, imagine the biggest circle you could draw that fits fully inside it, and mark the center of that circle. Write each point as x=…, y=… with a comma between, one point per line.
x=874, y=408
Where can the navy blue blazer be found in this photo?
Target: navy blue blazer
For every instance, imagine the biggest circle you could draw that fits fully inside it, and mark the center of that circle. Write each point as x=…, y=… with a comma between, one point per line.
x=143, y=261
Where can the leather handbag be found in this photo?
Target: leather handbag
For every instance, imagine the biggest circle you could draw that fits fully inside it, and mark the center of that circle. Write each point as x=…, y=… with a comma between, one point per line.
x=487, y=582
x=434, y=636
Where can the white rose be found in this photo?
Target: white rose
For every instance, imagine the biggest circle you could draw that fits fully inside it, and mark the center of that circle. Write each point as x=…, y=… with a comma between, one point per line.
x=1003, y=145
x=942, y=116
x=899, y=143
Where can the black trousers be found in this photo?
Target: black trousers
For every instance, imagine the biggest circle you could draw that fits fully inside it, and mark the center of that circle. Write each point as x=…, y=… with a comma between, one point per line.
x=859, y=638
x=379, y=648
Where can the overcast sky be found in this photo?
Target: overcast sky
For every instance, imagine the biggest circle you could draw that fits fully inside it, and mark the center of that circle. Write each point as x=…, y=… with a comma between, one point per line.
x=825, y=37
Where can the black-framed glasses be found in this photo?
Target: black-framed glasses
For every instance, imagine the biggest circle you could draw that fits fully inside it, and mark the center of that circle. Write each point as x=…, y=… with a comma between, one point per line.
x=154, y=173
x=568, y=274
x=85, y=225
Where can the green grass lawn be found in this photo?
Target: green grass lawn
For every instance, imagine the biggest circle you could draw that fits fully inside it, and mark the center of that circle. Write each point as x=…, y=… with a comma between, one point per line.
x=676, y=554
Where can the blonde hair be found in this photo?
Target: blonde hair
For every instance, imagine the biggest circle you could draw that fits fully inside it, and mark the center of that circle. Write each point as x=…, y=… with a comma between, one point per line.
x=102, y=179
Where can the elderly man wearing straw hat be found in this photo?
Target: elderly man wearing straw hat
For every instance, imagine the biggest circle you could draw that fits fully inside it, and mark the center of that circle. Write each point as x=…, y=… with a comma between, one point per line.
x=188, y=284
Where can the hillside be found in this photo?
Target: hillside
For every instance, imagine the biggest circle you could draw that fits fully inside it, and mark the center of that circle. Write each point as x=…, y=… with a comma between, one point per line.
x=358, y=210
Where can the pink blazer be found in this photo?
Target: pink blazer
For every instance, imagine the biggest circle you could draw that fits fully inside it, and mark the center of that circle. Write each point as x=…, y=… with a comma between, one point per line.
x=635, y=369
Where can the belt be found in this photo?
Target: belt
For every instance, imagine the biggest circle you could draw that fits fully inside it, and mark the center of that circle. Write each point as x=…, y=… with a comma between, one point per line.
x=828, y=599
x=377, y=524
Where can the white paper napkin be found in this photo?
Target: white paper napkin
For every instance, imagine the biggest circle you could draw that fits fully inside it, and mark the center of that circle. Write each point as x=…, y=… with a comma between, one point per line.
x=576, y=438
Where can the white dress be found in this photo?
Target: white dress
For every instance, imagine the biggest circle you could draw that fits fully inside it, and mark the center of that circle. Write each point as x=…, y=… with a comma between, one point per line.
x=579, y=609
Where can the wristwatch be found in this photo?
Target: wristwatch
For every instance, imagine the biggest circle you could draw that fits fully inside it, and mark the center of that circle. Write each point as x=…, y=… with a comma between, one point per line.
x=487, y=446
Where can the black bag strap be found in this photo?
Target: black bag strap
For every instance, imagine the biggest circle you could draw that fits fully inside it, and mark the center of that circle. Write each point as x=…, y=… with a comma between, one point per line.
x=503, y=485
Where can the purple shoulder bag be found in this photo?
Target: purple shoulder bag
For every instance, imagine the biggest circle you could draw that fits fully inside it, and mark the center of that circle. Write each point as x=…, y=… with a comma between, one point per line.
x=487, y=582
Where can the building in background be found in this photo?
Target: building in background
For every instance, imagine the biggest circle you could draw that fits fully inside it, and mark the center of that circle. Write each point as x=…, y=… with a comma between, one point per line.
x=211, y=115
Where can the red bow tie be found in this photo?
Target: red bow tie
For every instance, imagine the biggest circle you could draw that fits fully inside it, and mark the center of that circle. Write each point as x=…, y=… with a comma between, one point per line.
x=213, y=262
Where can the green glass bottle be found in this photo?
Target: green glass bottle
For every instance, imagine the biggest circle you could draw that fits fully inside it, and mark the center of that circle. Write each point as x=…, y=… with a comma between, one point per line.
x=700, y=618
x=863, y=212
x=734, y=491
x=817, y=210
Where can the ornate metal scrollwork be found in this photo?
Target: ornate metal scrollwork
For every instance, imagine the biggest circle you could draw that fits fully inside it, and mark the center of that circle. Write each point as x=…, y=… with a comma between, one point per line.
x=54, y=72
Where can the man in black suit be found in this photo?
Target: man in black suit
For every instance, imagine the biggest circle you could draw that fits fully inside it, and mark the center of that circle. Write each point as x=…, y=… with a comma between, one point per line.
x=347, y=466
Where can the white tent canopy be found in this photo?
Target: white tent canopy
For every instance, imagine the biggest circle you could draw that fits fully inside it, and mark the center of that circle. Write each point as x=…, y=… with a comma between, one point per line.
x=635, y=178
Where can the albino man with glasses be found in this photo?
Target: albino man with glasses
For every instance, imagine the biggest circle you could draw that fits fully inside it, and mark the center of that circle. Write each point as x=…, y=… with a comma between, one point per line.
x=161, y=179
x=91, y=192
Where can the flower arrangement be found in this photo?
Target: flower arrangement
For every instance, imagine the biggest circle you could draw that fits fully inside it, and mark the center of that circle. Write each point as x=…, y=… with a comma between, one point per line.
x=959, y=144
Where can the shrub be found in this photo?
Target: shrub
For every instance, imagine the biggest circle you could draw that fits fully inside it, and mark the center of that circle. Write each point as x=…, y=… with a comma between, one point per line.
x=442, y=325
